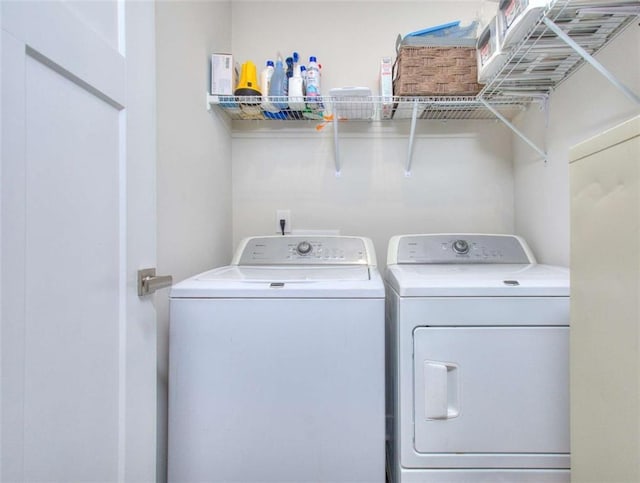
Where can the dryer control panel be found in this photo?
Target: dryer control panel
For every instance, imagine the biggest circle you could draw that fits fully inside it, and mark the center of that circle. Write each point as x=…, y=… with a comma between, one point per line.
x=459, y=248
x=299, y=250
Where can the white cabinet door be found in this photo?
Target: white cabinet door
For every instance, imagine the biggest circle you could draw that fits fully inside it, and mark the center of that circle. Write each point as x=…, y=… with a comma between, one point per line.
x=491, y=389
x=605, y=284
x=78, y=221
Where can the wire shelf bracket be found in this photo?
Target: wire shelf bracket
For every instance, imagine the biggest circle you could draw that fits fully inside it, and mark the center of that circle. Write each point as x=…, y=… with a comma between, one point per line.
x=336, y=141
x=412, y=134
x=516, y=131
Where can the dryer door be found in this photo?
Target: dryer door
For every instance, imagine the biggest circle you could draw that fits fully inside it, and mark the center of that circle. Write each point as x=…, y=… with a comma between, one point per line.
x=491, y=389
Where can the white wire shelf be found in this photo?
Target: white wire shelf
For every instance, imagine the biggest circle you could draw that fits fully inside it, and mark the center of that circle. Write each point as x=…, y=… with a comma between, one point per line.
x=566, y=34
x=531, y=70
x=371, y=108
x=542, y=60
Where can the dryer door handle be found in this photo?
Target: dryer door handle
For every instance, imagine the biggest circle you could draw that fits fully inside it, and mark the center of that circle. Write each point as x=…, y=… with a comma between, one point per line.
x=441, y=391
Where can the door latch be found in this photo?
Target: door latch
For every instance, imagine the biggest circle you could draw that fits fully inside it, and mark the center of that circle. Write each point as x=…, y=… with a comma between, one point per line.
x=148, y=282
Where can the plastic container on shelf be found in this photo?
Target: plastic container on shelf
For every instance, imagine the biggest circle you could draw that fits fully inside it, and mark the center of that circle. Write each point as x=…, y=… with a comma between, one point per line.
x=518, y=16
x=352, y=102
x=314, y=95
x=265, y=76
x=276, y=86
x=295, y=93
x=265, y=81
x=289, y=69
x=303, y=72
x=448, y=30
x=490, y=53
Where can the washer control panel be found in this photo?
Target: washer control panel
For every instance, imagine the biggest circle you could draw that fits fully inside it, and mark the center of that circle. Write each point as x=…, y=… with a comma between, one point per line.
x=330, y=250
x=461, y=248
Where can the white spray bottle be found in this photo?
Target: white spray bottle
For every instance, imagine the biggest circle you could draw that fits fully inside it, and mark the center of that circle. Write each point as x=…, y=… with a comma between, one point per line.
x=296, y=92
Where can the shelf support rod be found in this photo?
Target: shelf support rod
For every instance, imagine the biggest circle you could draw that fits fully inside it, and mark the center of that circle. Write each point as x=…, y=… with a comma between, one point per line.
x=513, y=128
x=412, y=133
x=336, y=145
x=589, y=58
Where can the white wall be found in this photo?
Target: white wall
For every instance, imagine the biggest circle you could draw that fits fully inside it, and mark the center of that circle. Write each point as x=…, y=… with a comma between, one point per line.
x=584, y=105
x=347, y=37
x=461, y=181
x=462, y=172
x=194, y=156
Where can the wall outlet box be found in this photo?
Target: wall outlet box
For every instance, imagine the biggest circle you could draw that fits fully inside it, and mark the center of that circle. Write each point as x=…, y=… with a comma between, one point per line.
x=222, y=74
x=286, y=216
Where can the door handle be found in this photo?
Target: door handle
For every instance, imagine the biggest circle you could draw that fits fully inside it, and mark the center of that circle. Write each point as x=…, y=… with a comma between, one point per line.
x=441, y=399
x=148, y=282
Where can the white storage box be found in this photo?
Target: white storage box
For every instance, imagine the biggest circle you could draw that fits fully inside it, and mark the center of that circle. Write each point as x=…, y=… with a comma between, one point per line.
x=386, y=87
x=352, y=102
x=490, y=54
x=518, y=16
x=222, y=74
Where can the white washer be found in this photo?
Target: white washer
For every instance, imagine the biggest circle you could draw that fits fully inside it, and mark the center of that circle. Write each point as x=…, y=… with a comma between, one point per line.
x=277, y=365
x=478, y=369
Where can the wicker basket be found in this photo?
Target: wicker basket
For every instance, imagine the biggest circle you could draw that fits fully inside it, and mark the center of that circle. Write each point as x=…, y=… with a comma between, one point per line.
x=436, y=71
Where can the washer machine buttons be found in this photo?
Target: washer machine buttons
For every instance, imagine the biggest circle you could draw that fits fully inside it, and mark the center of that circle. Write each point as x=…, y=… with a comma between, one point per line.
x=304, y=248
x=461, y=247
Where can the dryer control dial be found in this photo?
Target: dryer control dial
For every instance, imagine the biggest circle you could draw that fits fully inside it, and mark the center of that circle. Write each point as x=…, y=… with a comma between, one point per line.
x=461, y=247
x=304, y=248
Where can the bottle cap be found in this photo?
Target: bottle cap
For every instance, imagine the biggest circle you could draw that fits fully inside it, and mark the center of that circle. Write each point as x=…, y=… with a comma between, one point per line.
x=269, y=63
x=312, y=59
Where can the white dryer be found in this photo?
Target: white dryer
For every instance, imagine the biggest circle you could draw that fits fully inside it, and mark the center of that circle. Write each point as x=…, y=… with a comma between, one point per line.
x=478, y=369
x=277, y=365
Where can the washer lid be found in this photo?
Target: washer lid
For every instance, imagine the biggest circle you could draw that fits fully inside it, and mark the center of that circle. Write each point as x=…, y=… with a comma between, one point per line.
x=468, y=280
x=283, y=282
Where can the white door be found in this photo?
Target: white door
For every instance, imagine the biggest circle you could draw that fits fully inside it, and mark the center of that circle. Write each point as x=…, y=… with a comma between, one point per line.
x=78, y=221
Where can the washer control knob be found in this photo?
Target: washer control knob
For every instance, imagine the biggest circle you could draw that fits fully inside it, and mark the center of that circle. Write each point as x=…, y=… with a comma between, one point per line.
x=304, y=248
x=460, y=247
